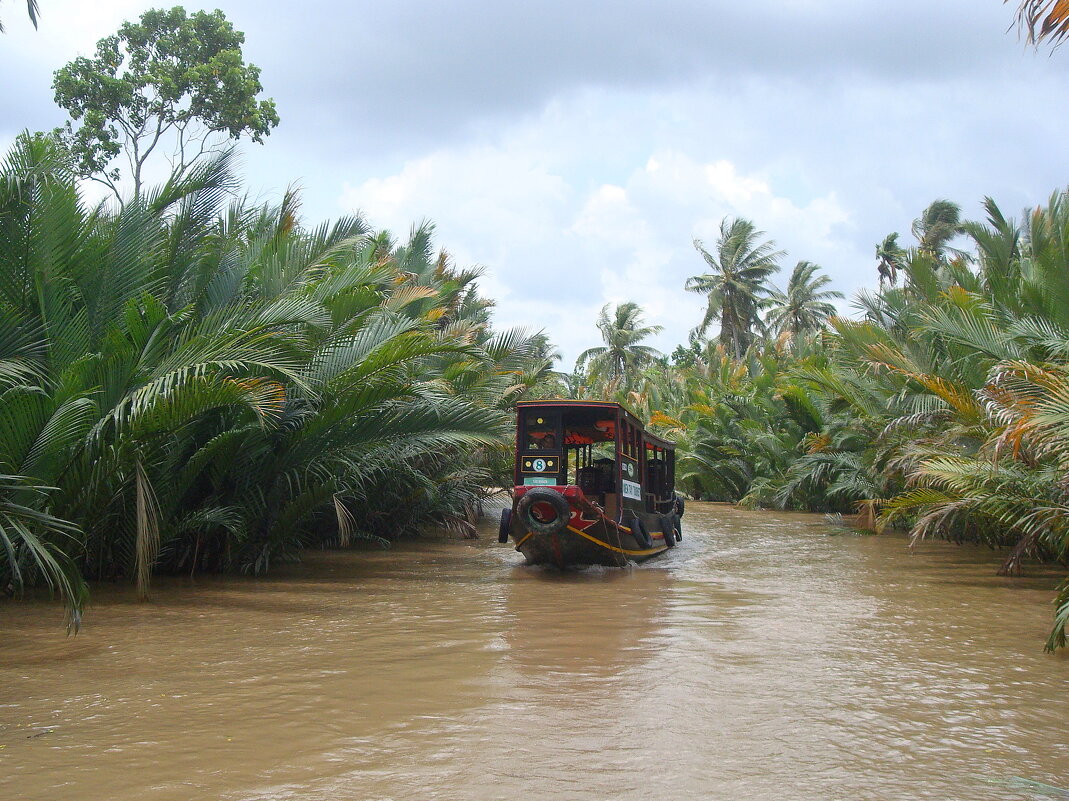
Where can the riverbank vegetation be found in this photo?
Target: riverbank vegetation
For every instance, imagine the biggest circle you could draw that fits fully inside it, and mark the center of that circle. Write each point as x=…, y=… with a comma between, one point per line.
x=196, y=383
x=191, y=381
x=940, y=405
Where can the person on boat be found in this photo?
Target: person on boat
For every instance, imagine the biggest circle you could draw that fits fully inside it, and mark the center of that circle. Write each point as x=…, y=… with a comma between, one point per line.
x=539, y=441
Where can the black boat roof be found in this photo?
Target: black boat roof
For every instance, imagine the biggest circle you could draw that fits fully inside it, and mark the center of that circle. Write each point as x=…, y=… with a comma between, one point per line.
x=607, y=405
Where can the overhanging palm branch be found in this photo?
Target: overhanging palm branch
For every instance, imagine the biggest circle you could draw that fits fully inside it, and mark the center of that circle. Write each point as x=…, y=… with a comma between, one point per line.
x=1043, y=19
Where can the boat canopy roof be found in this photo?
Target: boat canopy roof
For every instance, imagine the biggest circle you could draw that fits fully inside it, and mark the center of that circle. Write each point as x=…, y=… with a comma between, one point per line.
x=609, y=407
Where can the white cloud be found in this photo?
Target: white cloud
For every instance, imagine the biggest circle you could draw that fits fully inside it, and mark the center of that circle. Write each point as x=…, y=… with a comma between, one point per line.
x=556, y=250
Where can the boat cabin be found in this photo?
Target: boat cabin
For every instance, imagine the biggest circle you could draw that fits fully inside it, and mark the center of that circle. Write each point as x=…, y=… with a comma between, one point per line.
x=599, y=447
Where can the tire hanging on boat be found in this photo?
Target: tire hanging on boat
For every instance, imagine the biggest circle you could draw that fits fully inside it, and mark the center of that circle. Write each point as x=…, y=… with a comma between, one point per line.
x=505, y=527
x=638, y=531
x=678, y=525
x=668, y=526
x=531, y=510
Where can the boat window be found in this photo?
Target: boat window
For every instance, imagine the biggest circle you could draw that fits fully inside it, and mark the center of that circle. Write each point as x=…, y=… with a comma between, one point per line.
x=657, y=475
x=660, y=475
x=540, y=432
x=629, y=435
x=598, y=477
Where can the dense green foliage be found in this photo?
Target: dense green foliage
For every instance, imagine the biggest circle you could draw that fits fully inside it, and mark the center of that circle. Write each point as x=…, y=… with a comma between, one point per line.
x=170, y=81
x=186, y=385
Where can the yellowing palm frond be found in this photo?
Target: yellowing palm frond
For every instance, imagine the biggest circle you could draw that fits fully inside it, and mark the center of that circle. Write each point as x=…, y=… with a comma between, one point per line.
x=1043, y=19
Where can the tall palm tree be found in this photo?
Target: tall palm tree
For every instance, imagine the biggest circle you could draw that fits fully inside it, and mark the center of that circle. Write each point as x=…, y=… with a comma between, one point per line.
x=614, y=362
x=736, y=282
x=1043, y=19
x=889, y=259
x=804, y=307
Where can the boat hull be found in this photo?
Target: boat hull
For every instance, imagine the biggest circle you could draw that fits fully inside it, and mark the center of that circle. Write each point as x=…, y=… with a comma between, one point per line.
x=590, y=537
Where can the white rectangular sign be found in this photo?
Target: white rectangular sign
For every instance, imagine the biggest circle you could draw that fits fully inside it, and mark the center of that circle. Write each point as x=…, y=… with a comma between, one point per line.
x=632, y=490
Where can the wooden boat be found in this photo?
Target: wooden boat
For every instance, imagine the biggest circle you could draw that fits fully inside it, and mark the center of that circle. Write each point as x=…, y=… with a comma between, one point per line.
x=592, y=486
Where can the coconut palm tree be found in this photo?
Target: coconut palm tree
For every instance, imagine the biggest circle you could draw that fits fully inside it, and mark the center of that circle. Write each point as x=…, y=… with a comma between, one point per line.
x=805, y=305
x=1043, y=19
x=889, y=257
x=736, y=283
x=937, y=225
x=622, y=355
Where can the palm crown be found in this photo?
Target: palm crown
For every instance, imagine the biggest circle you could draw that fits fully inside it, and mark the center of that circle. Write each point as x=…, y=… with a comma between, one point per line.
x=736, y=282
x=804, y=307
x=621, y=354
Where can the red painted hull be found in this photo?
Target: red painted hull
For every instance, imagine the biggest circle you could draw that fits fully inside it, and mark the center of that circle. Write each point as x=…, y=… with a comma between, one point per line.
x=589, y=537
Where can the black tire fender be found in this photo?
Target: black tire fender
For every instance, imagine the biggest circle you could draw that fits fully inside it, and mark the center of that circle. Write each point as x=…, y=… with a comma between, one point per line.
x=543, y=495
x=668, y=526
x=505, y=527
x=638, y=531
x=678, y=505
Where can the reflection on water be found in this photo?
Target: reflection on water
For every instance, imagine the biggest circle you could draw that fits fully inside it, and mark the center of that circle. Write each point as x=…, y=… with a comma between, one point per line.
x=584, y=628
x=761, y=659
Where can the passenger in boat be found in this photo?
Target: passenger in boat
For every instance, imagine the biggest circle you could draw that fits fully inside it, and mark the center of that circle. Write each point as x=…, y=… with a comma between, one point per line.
x=538, y=441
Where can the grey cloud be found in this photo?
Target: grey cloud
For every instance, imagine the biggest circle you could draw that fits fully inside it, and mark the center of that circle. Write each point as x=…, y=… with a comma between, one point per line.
x=393, y=78
x=887, y=106
x=424, y=70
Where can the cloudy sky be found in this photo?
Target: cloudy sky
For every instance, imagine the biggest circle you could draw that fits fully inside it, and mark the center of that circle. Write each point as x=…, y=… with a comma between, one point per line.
x=575, y=149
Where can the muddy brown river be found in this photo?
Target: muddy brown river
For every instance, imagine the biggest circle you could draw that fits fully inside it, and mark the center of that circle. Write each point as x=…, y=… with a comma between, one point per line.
x=767, y=657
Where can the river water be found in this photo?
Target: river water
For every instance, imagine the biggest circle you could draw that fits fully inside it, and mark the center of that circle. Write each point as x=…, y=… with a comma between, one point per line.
x=767, y=657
